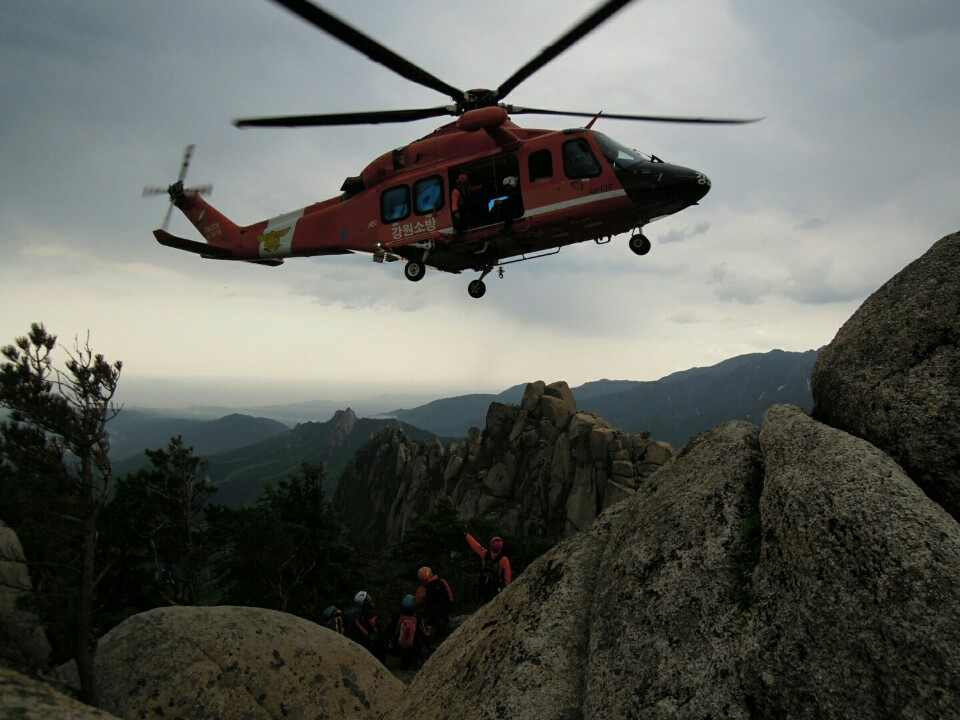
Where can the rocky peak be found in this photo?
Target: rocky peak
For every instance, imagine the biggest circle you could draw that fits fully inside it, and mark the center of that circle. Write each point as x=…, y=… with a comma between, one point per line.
x=540, y=467
x=343, y=422
x=892, y=373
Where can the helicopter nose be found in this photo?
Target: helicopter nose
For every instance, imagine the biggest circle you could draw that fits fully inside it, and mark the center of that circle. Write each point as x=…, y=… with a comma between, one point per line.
x=699, y=185
x=659, y=188
x=684, y=183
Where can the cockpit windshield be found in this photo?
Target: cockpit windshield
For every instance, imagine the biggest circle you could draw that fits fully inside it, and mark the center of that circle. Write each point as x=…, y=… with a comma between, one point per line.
x=620, y=156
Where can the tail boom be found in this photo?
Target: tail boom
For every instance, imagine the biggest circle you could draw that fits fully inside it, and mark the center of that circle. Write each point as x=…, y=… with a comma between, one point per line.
x=206, y=250
x=264, y=243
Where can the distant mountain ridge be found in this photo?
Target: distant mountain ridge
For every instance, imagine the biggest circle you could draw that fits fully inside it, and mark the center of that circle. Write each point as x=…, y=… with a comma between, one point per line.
x=241, y=474
x=244, y=453
x=687, y=403
x=674, y=408
x=133, y=431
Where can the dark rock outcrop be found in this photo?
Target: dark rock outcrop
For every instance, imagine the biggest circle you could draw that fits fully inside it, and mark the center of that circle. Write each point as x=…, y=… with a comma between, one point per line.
x=25, y=698
x=540, y=468
x=892, y=373
x=23, y=641
x=790, y=572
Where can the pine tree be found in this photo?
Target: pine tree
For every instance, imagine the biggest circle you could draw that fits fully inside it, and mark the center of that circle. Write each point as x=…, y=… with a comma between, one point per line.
x=156, y=532
x=287, y=552
x=55, y=449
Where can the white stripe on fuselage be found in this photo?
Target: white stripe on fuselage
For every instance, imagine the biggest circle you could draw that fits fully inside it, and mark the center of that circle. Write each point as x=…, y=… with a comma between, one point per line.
x=586, y=199
x=274, y=242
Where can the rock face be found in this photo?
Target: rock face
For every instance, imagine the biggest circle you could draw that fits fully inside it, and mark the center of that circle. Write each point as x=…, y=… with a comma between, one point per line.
x=24, y=698
x=892, y=374
x=23, y=642
x=539, y=468
x=792, y=571
x=236, y=662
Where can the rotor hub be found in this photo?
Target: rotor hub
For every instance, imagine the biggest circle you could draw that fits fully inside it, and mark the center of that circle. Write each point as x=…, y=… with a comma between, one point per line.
x=476, y=99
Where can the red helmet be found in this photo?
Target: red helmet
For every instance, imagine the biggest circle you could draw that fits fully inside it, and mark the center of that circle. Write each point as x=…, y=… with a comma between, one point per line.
x=496, y=545
x=463, y=179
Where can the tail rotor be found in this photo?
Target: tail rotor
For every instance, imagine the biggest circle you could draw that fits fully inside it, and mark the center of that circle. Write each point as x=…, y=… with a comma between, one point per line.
x=177, y=191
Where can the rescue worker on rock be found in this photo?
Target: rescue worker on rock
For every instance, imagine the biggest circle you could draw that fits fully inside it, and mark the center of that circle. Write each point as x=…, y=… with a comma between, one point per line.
x=434, y=601
x=408, y=633
x=333, y=619
x=495, y=573
x=362, y=625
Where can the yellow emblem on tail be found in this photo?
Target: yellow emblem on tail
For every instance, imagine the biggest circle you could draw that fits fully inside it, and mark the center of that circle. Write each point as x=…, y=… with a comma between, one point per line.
x=271, y=240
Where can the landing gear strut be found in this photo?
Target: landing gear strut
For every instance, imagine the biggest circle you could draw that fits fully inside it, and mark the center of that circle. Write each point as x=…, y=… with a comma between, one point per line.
x=640, y=244
x=414, y=270
x=477, y=288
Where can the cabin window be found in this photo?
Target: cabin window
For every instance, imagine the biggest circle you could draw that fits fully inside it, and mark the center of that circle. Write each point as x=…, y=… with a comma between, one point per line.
x=579, y=160
x=540, y=164
x=395, y=204
x=428, y=195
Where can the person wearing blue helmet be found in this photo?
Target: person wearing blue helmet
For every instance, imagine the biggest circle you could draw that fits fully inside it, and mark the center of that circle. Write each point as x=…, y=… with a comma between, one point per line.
x=333, y=619
x=410, y=634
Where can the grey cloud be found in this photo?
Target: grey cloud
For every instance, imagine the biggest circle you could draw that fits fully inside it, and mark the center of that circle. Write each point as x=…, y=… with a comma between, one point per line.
x=675, y=236
x=898, y=18
x=815, y=284
x=812, y=224
x=687, y=317
x=819, y=285
x=743, y=289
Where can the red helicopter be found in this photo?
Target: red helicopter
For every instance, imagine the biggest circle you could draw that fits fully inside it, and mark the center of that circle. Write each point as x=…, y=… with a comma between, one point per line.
x=476, y=194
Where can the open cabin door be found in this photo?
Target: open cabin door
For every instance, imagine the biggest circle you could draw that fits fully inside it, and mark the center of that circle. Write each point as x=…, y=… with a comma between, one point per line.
x=494, y=196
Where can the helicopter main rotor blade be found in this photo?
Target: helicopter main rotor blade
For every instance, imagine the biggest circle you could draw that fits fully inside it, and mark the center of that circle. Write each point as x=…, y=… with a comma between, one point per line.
x=576, y=33
x=357, y=118
x=185, y=165
x=368, y=46
x=517, y=110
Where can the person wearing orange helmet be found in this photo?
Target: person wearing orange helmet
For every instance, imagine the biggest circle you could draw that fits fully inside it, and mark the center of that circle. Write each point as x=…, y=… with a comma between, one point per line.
x=495, y=572
x=434, y=600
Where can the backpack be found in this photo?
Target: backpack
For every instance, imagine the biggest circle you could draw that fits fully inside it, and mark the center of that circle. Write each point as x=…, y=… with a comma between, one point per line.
x=336, y=624
x=489, y=577
x=352, y=627
x=406, y=631
x=438, y=603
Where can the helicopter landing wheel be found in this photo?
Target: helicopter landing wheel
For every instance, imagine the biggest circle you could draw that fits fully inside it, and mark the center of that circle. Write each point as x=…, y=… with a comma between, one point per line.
x=640, y=244
x=476, y=288
x=414, y=270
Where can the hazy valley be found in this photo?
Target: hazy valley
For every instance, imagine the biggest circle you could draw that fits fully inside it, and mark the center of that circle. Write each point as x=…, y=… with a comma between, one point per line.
x=672, y=409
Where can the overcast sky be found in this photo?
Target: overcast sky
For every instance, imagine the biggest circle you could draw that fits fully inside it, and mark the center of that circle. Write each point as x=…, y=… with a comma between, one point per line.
x=852, y=175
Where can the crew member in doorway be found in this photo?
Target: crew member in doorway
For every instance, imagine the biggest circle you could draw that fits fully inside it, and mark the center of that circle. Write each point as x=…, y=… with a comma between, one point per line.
x=458, y=203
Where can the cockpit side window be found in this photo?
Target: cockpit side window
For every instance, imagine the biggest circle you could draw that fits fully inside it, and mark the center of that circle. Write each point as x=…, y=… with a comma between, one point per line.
x=395, y=204
x=579, y=160
x=619, y=156
x=540, y=165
